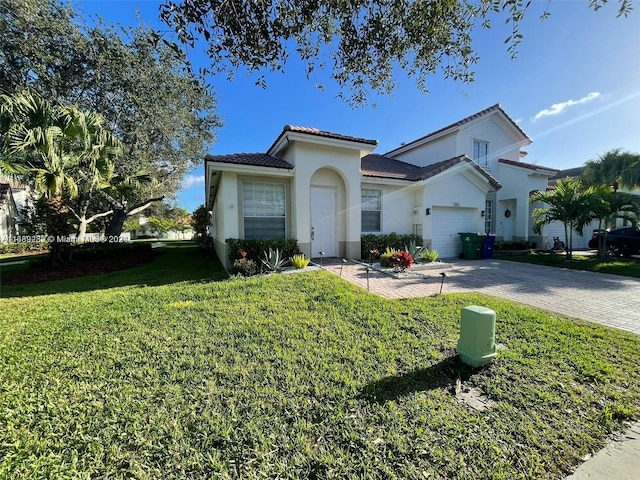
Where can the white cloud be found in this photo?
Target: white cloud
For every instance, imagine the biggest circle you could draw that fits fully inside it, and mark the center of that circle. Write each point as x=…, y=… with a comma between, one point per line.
x=558, y=108
x=191, y=180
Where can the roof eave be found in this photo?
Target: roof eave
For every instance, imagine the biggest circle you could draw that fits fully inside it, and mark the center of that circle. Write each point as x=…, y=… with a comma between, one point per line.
x=288, y=136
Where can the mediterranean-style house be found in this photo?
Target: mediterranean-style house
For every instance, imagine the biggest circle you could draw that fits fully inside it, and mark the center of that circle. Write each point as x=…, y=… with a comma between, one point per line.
x=327, y=189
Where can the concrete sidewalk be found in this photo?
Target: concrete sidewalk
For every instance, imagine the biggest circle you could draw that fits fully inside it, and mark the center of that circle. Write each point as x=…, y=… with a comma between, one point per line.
x=610, y=300
x=619, y=460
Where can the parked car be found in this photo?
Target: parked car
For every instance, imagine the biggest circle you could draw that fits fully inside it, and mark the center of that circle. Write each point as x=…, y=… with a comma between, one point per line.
x=620, y=241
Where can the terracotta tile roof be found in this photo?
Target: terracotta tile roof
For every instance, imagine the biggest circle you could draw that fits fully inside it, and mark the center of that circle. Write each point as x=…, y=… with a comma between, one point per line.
x=255, y=159
x=436, y=168
x=562, y=174
x=530, y=166
x=569, y=172
x=324, y=133
x=460, y=123
x=374, y=165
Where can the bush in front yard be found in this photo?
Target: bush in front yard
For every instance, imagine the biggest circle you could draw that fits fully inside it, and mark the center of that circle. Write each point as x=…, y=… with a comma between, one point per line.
x=514, y=245
x=379, y=243
x=254, y=249
x=244, y=267
x=22, y=247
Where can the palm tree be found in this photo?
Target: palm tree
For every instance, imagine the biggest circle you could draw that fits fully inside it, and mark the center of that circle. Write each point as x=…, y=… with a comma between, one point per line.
x=569, y=203
x=61, y=148
x=615, y=169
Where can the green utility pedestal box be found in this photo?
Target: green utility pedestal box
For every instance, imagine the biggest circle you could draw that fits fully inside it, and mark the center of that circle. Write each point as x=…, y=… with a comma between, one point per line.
x=477, y=343
x=472, y=245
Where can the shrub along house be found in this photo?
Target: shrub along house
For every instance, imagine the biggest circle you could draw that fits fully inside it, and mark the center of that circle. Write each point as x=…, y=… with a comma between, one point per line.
x=327, y=189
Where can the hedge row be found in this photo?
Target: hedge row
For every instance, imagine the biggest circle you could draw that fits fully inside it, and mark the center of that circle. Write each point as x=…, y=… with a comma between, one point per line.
x=255, y=248
x=514, y=245
x=23, y=247
x=379, y=243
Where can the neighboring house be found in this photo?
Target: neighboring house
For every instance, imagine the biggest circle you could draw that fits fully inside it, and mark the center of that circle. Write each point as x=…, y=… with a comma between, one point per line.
x=22, y=196
x=326, y=189
x=556, y=229
x=8, y=214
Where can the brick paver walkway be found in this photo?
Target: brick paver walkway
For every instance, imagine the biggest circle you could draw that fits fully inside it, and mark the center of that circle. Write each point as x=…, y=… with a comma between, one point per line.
x=611, y=300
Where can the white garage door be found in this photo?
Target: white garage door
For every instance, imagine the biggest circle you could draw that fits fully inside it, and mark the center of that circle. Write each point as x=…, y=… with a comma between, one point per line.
x=446, y=222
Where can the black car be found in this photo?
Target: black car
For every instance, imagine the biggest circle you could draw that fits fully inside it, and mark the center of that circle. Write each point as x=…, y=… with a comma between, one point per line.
x=620, y=242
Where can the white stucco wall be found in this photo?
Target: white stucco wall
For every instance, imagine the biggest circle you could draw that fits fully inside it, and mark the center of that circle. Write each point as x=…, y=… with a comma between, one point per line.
x=325, y=165
x=224, y=218
x=501, y=144
x=398, y=203
x=433, y=152
x=453, y=189
x=517, y=183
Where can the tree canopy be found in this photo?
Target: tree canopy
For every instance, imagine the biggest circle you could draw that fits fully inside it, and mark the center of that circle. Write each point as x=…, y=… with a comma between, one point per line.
x=63, y=151
x=163, y=113
x=365, y=40
x=615, y=168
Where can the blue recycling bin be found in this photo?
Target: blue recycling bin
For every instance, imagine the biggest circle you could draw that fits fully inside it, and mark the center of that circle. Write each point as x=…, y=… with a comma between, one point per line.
x=487, y=246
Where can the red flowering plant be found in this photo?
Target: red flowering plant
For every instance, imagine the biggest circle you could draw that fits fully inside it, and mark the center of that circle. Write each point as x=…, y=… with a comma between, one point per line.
x=400, y=261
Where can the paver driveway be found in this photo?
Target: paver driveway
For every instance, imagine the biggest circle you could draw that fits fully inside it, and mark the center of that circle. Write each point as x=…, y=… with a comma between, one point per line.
x=607, y=299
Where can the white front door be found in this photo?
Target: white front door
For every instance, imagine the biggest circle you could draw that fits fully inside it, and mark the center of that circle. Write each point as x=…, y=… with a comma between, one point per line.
x=507, y=227
x=323, y=221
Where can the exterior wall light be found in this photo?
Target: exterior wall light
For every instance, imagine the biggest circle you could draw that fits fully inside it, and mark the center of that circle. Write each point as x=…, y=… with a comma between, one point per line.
x=428, y=211
x=482, y=213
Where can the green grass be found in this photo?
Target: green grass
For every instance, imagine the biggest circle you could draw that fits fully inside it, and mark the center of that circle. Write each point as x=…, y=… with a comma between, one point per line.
x=177, y=261
x=615, y=266
x=292, y=377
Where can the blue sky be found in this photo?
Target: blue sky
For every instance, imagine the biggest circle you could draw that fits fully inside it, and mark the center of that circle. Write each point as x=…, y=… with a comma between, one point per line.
x=574, y=88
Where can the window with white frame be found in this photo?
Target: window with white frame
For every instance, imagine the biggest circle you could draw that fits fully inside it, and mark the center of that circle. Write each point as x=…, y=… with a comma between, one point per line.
x=263, y=209
x=481, y=152
x=488, y=215
x=371, y=210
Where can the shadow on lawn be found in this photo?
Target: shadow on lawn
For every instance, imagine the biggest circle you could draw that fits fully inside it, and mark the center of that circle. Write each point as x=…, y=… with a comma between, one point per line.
x=176, y=262
x=440, y=375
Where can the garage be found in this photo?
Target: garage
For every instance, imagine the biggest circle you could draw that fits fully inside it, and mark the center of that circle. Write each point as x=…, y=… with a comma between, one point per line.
x=446, y=223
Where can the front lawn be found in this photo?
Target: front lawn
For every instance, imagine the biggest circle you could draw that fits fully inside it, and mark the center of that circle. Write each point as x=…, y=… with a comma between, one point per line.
x=177, y=261
x=296, y=376
x=615, y=266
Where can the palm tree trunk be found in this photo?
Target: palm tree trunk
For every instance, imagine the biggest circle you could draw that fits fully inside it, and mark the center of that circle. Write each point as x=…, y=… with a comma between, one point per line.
x=58, y=231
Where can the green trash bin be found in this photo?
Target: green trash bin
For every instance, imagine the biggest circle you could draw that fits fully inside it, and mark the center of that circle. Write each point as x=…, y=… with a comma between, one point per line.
x=477, y=343
x=472, y=245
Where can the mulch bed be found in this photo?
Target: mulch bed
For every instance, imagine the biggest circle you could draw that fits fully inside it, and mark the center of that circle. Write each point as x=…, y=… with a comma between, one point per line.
x=45, y=273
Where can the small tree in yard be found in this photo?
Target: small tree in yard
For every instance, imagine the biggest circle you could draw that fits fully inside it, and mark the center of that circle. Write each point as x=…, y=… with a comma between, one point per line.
x=161, y=225
x=570, y=204
x=200, y=220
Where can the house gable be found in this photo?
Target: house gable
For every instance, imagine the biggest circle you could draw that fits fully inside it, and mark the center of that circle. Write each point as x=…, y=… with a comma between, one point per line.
x=485, y=136
x=494, y=111
x=293, y=133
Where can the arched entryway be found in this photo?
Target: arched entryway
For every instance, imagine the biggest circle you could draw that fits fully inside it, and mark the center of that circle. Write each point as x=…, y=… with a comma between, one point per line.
x=327, y=213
